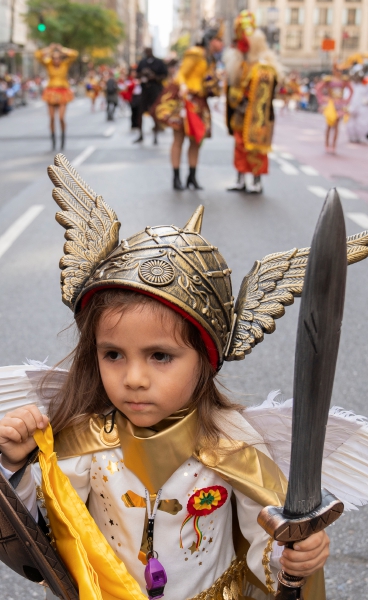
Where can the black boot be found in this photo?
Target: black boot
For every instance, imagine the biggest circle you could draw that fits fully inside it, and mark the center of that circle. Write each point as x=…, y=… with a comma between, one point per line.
x=155, y=140
x=192, y=181
x=139, y=139
x=53, y=141
x=177, y=184
x=62, y=144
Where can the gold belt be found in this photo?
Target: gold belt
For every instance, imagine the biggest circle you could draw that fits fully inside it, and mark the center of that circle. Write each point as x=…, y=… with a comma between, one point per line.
x=237, y=583
x=229, y=586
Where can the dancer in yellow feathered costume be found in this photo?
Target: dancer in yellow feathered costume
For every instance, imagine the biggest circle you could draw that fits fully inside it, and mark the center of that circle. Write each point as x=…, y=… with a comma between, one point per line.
x=57, y=94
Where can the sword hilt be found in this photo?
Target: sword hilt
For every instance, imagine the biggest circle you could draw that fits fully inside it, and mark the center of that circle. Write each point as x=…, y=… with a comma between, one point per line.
x=291, y=530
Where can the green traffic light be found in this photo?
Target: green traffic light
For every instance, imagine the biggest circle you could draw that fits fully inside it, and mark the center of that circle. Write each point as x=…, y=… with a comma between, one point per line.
x=41, y=27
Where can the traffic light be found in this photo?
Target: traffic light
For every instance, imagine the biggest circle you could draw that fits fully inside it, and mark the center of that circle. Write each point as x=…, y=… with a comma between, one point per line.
x=41, y=25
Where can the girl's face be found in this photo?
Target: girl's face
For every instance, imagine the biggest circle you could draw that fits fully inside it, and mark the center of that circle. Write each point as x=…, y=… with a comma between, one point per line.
x=147, y=371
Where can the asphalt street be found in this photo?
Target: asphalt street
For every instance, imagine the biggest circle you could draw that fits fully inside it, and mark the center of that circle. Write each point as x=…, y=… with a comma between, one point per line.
x=136, y=181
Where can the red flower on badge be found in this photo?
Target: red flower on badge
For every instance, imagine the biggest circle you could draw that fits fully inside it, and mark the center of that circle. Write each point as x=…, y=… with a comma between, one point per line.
x=203, y=502
x=206, y=500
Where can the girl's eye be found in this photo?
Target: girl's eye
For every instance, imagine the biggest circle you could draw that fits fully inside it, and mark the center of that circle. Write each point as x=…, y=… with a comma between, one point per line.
x=162, y=357
x=113, y=355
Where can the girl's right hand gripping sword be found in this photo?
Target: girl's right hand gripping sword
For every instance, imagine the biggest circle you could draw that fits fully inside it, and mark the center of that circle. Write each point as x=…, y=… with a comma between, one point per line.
x=308, y=509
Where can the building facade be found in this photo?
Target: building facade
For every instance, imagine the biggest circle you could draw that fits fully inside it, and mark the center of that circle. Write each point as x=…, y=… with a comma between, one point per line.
x=307, y=34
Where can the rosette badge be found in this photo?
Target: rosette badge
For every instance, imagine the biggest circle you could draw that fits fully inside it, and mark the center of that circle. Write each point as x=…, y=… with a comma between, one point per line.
x=156, y=272
x=202, y=503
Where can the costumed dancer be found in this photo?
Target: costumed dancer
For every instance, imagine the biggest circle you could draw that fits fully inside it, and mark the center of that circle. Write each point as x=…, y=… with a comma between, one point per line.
x=334, y=93
x=151, y=71
x=93, y=88
x=357, y=125
x=57, y=93
x=183, y=104
x=252, y=71
x=173, y=472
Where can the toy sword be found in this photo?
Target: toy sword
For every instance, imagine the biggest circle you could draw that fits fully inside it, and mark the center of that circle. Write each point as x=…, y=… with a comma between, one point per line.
x=308, y=509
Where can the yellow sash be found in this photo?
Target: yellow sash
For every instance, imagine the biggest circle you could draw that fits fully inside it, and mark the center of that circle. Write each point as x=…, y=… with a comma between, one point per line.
x=98, y=572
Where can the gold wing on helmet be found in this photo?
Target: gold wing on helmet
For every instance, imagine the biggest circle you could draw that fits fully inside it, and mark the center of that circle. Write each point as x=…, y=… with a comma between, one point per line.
x=272, y=284
x=92, y=227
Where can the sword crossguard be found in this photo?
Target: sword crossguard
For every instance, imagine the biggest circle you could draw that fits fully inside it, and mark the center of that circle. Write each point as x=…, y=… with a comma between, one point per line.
x=286, y=529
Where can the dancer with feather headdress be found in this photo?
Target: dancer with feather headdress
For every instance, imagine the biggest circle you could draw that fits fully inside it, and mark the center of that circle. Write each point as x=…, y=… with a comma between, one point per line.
x=252, y=72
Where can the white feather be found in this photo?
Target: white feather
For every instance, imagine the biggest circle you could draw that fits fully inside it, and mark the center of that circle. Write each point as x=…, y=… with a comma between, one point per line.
x=19, y=386
x=345, y=457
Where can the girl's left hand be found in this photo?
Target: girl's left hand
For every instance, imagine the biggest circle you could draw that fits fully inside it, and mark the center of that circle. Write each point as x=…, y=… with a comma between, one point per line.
x=307, y=556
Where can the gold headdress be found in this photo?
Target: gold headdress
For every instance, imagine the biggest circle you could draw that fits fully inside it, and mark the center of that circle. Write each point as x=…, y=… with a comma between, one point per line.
x=244, y=24
x=178, y=267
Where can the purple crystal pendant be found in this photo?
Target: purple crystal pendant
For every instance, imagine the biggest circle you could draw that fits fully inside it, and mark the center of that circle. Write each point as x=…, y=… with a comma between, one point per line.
x=156, y=578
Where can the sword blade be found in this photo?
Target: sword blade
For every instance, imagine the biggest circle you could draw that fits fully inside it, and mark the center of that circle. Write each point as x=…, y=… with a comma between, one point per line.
x=317, y=344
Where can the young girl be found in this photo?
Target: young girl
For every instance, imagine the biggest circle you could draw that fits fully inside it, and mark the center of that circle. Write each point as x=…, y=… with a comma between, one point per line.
x=172, y=473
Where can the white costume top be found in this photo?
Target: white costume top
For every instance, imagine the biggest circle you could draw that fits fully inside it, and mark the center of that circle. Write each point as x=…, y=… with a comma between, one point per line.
x=102, y=479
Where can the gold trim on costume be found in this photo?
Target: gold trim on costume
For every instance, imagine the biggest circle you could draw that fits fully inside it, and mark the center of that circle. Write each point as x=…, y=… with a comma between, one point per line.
x=229, y=585
x=146, y=452
x=266, y=566
x=258, y=128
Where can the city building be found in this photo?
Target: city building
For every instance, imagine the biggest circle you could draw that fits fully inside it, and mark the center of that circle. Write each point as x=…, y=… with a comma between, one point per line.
x=307, y=34
x=15, y=48
x=314, y=33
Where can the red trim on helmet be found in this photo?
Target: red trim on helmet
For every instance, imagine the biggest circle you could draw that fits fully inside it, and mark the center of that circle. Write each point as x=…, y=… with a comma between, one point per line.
x=208, y=341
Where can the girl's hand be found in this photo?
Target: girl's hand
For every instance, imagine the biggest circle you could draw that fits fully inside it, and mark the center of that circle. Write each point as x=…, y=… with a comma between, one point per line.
x=307, y=556
x=16, y=435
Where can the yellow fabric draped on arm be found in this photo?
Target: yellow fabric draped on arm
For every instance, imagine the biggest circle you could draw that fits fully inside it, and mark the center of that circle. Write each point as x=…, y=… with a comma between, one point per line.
x=99, y=573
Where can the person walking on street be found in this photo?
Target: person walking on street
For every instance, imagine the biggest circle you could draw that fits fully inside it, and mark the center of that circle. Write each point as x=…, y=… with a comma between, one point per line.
x=151, y=72
x=111, y=91
x=57, y=94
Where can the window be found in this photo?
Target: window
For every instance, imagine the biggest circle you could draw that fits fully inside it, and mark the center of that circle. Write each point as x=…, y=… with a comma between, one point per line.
x=294, y=39
x=350, y=42
x=295, y=16
x=323, y=16
x=351, y=16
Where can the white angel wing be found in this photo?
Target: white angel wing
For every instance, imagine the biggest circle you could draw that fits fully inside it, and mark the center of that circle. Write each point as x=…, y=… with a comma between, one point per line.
x=345, y=457
x=19, y=386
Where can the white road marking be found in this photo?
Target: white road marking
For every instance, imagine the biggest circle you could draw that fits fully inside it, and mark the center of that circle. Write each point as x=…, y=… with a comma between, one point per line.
x=347, y=194
x=14, y=231
x=83, y=156
x=308, y=170
x=287, y=168
x=360, y=219
x=318, y=190
x=109, y=131
x=286, y=155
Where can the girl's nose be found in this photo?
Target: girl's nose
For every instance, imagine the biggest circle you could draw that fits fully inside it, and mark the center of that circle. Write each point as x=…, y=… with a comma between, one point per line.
x=136, y=376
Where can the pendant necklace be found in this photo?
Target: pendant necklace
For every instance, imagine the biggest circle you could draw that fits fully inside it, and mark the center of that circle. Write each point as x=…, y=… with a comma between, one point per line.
x=154, y=574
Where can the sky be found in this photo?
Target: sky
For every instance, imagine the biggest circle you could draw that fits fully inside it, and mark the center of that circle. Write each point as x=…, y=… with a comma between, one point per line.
x=160, y=13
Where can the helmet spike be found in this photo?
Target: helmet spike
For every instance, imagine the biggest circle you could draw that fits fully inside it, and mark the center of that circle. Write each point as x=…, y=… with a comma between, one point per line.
x=195, y=222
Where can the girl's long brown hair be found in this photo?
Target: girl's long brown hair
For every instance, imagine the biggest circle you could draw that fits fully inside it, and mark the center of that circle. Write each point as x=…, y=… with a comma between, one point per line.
x=83, y=394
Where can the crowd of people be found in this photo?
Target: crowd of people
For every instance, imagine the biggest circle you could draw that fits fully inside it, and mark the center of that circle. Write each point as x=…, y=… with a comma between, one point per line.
x=175, y=93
